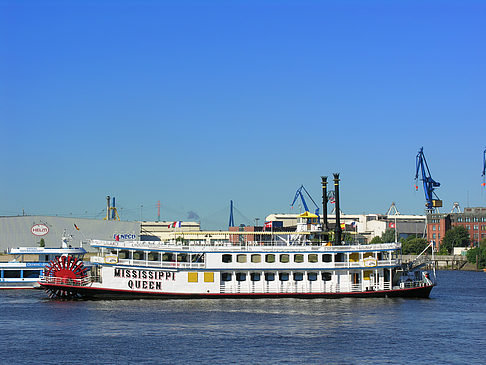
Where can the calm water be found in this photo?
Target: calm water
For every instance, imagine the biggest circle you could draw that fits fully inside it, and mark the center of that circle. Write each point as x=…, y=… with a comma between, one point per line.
x=448, y=328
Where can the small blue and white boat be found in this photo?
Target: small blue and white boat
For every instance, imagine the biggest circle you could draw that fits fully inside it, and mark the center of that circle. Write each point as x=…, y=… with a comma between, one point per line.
x=28, y=263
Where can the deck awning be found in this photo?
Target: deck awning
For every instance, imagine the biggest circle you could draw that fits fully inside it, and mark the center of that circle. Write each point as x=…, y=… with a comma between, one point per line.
x=308, y=215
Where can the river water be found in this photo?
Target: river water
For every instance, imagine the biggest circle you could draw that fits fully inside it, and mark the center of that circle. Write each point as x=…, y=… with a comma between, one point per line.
x=448, y=328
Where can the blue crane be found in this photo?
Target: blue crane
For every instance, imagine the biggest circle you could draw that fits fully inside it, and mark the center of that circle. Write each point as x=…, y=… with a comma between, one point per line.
x=429, y=183
x=299, y=194
x=484, y=167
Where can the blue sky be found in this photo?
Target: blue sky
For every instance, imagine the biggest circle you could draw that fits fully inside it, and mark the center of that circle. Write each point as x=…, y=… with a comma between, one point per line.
x=195, y=103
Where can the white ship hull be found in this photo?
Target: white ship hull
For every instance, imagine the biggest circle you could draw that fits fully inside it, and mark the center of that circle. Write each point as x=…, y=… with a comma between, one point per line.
x=160, y=270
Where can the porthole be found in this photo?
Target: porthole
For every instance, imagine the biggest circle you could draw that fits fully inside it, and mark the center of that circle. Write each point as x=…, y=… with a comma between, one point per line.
x=269, y=276
x=227, y=258
x=312, y=257
x=225, y=276
x=270, y=258
x=284, y=258
x=326, y=276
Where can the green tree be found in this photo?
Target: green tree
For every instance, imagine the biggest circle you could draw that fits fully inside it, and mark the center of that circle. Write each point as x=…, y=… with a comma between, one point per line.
x=414, y=245
x=376, y=239
x=479, y=254
x=42, y=243
x=455, y=237
x=388, y=235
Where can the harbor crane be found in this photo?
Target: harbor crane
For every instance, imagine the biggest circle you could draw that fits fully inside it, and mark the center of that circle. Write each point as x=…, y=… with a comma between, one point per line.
x=484, y=168
x=432, y=201
x=299, y=194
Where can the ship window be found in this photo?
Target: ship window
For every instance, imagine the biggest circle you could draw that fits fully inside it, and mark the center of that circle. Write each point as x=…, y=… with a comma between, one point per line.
x=298, y=257
x=270, y=258
x=284, y=258
x=312, y=257
x=355, y=278
x=326, y=276
x=138, y=255
x=312, y=276
x=123, y=254
x=283, y=276
x=354, y=257
x=256, y=258
x=241, y=258
x=168, y=257
x=31, y=273
x=153, y=256
x=197, y=257
x=269, y=276
x=327, y=257
x=182, y=257
x=226, y=276
x=10, y=274
x=298, y=276
x=240, y=276
x=227, y=258
x=255, y=276
x=340, y=257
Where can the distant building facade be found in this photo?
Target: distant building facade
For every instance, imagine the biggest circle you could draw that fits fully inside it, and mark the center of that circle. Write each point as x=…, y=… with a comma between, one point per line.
x=30, y=231
x=366, y=225
x=472, y=219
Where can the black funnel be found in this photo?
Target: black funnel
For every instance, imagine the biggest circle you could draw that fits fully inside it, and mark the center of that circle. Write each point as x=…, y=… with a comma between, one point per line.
x=337, y=229
x=325, y=225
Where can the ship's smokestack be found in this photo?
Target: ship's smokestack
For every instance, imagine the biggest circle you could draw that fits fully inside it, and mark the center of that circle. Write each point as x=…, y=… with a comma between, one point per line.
x=337, y=229
x=325, y=225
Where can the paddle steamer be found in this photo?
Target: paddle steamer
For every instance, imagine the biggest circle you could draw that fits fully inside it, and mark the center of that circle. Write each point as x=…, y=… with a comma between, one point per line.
x=302, y=263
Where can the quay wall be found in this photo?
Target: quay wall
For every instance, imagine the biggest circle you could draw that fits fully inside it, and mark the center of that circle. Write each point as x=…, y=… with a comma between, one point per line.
x=445, y=262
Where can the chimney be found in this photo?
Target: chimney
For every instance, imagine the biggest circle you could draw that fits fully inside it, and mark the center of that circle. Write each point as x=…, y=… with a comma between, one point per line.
x=337, y=229
x=325, y=225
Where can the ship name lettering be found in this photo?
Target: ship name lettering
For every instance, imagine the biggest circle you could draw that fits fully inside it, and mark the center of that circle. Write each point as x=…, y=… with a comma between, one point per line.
x=151, y=275
x=144, y=284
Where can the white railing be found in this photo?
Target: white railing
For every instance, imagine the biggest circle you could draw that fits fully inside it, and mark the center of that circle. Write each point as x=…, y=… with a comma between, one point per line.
x=202, y=246
x=291, y=287
x=64, y=281
x=155, y=264
x=413, y=284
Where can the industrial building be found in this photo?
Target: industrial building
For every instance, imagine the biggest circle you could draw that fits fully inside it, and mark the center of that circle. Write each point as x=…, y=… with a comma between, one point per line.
x=472, y=219
x=30, y=231
x=366, y=225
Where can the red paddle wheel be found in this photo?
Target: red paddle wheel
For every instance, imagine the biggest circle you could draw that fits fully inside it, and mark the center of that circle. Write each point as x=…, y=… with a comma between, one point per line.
x=64, y=270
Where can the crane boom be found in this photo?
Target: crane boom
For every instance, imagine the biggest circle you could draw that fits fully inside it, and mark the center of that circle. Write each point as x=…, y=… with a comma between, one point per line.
x=298, y=194
x=484, y=167
x=429, y=183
